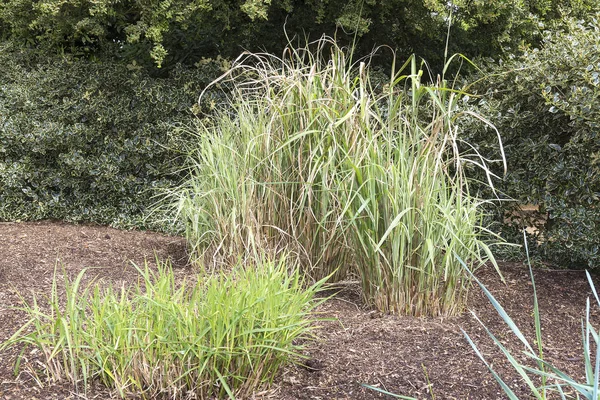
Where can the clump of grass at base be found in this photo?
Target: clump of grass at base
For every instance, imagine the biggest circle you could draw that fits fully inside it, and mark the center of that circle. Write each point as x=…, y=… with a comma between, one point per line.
x=223, y=336
x=310, y=158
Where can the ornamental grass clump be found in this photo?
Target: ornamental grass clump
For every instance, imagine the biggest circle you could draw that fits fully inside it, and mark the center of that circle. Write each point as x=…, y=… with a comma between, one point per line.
x=312, y=158
x=408, y=203
x=224, y=336
x=265, y=173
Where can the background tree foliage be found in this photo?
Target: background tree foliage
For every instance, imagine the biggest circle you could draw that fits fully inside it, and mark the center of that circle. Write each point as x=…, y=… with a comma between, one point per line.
x=171, y=31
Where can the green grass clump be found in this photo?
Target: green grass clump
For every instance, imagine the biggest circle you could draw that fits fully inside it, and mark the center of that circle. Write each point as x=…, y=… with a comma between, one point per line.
x=265, y=173
x=312, y=158
x=223, y=336
x=407, y=199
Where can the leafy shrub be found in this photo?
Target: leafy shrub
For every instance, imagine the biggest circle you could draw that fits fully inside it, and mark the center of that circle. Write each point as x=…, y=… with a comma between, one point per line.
x=311, y=159
x=88, y=141
x=167, y=32
x=224, y=335
x=546, y=105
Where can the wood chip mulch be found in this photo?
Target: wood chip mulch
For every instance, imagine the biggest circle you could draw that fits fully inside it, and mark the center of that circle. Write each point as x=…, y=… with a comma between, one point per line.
x=425, y=358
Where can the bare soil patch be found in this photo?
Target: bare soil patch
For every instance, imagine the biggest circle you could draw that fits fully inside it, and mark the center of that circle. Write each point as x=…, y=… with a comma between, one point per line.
x=417, y=357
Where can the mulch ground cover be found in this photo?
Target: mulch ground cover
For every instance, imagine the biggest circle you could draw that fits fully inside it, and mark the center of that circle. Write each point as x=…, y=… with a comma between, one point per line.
x=425, y=358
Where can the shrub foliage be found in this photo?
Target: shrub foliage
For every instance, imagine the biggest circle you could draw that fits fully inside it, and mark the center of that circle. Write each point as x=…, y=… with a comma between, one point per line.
x=546, y=105
x=86, y=141
x=176, y=30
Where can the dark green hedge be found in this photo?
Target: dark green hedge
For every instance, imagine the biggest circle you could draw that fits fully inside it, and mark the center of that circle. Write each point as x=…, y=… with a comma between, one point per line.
x=89, y=141
x=171, y=31
x=546, y=105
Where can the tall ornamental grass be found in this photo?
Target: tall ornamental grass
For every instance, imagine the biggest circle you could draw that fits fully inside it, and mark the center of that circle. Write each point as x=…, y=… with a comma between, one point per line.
x=265, y=173
x=311, y=157
x=408, y=205
x=223, y=336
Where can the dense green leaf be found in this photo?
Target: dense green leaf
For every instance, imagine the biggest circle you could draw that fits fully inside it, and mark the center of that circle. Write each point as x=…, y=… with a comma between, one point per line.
x=89, y=141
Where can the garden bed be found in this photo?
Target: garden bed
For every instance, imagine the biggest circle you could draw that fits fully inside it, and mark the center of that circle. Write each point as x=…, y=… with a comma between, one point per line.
x=409, y=356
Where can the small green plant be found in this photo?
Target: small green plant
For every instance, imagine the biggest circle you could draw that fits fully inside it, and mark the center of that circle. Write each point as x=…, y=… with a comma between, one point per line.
x=223, y=336
x=552, y=379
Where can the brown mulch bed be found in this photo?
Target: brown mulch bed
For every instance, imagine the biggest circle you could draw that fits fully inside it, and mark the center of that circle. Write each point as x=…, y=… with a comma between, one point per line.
x=420, y=357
